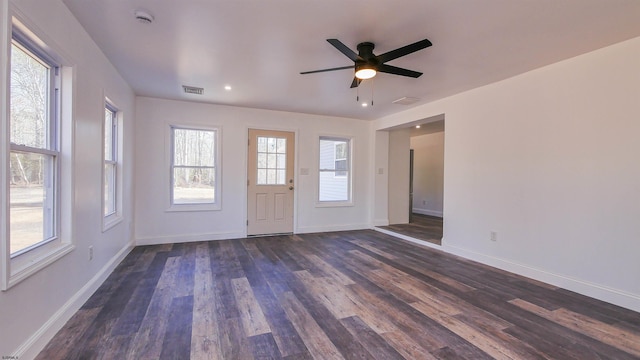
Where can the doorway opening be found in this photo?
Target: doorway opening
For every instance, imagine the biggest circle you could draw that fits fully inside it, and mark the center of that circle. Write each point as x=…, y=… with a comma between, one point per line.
x=416, y=209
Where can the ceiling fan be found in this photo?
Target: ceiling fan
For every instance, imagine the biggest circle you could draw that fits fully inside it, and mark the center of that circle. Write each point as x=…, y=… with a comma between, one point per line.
x=366, y=64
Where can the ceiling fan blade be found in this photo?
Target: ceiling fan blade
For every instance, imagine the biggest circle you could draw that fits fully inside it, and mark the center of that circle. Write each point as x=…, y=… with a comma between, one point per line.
x=398, y=71
x=324, y=70
x=355, y=82
x=344, y=49
x=405, y=50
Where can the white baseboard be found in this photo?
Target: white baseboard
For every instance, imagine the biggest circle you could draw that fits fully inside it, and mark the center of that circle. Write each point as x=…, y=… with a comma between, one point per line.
x=36, y=342
x=600, y=292
x=173, y=239
x=427, y=212
x=346, y=227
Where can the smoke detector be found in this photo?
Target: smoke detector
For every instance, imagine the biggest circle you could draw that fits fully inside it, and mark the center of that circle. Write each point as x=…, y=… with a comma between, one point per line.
x=143, y=16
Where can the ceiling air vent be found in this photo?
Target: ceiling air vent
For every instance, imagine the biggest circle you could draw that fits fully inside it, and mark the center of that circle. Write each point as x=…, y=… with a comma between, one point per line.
x=193, y=90
x=406, y=100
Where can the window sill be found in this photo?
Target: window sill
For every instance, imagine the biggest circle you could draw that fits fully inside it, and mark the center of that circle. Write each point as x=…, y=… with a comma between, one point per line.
x=331, y=204
x=194, y=207
x=111, y=221
x=36, y=263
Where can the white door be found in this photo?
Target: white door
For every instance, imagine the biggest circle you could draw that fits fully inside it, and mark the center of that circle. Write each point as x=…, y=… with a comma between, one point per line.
x=270, y=182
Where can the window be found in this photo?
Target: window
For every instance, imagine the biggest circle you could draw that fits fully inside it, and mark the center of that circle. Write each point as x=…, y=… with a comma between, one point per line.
x=194, y=170
x=34, y=153
x=111, y=176
x=335, y=170
x=36, y=137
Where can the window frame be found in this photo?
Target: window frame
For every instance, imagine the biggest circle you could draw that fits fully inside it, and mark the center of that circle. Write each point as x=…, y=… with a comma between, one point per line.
x=26, y=262
x=111, y=219
x=217, y=202
x=348, y=172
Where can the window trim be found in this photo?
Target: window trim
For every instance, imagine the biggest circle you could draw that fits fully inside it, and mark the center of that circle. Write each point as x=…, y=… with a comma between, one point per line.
x=217, y=203
x=24, y=264
x=112, y=219
x=349, y=172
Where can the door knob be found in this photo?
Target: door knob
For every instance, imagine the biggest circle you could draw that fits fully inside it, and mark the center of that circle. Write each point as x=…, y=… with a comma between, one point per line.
x=290, y=187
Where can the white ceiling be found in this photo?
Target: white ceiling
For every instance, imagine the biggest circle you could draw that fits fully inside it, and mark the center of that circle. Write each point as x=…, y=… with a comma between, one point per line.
x=259, y=47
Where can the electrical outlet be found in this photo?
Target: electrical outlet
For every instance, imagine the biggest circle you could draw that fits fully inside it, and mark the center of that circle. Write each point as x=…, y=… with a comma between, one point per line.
x=90, y=252
x=493, y=236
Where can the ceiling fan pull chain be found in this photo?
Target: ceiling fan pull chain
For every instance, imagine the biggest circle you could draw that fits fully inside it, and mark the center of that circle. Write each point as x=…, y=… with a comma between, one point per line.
x=372, y=86
x=357, y=93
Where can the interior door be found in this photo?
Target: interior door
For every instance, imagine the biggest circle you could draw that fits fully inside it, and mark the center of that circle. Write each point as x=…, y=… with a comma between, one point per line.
x=270, y=182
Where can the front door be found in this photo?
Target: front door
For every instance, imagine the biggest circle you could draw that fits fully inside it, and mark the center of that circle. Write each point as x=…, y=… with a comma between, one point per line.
x=270, y=182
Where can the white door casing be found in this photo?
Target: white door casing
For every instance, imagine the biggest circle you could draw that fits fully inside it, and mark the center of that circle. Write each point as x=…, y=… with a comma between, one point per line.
x=270, y=182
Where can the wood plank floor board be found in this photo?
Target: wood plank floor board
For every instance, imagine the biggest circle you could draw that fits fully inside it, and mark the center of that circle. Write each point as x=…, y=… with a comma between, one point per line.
x=438, y=335
x=348, y=346
x=136, y=307
x=205, y=337
x=372, y=341
x=177, y=339
x=253, y=262
x=147, y=342
x=338, y=295
x=557, y=337
x=234, y=344
x=264, y=346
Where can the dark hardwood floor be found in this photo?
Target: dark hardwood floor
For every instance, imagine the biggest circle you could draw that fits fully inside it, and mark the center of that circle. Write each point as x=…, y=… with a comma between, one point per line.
x=422, y=227
x=343, y=295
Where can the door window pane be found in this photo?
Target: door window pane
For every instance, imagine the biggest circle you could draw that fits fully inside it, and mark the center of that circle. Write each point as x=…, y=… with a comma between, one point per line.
x=272, y=161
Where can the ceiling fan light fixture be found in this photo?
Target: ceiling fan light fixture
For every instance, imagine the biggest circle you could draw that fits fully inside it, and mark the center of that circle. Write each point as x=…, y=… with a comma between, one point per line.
x=364, y=73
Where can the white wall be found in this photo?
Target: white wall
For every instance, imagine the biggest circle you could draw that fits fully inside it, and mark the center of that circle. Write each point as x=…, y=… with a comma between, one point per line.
x=399, y=176
x=380, y=180
x=428, y=173
x=156, y=225
x=549, y=160
x=32, y=311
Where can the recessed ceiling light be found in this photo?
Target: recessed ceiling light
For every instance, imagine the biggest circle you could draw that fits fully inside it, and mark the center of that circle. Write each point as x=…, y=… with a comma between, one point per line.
x=227, y=87
x=417, y=126
x=365, y=104
x=143, y=16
